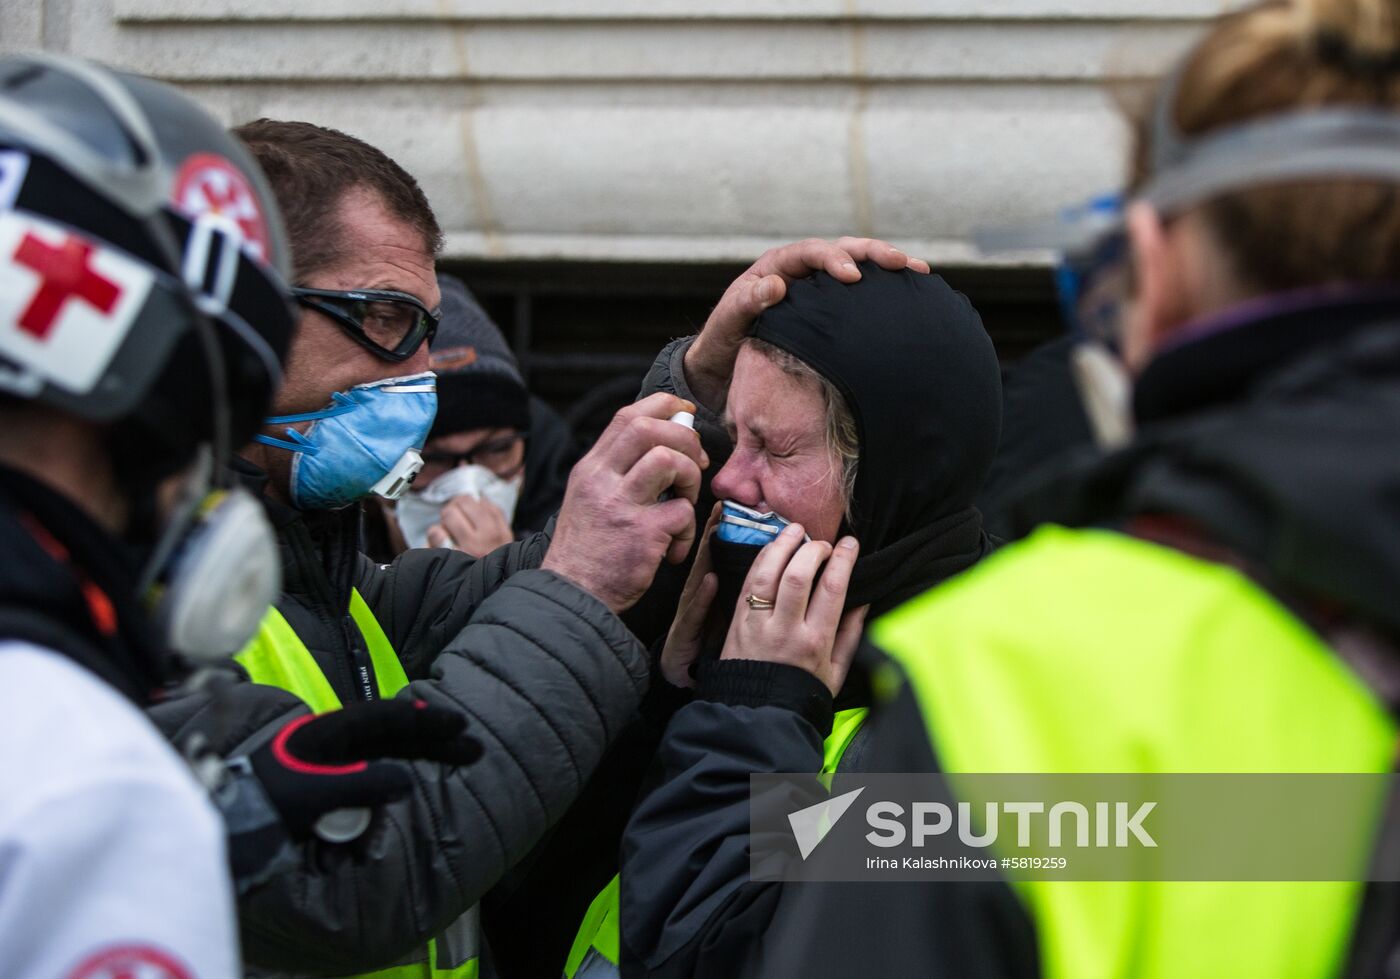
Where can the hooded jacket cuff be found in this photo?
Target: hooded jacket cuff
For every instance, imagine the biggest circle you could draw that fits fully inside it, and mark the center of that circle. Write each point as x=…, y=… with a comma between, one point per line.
x=671, y=362
x=751, y=683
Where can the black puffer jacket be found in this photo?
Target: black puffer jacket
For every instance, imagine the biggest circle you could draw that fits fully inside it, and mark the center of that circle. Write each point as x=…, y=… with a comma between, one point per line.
x=547, y=675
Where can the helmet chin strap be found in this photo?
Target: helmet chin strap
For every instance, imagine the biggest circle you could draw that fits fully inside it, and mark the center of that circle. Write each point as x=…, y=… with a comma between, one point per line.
x=211, y=458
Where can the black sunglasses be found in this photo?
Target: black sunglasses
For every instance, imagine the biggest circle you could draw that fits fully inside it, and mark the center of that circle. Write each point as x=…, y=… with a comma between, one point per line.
x=391, y=324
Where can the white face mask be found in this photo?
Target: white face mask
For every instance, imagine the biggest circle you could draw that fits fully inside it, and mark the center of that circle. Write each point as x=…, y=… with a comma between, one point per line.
x=419, y=510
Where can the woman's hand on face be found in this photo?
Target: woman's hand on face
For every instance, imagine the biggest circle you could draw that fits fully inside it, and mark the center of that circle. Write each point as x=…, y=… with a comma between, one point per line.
x=467, y=524
x=687, y=629
x=709, y=362
x=805, y=627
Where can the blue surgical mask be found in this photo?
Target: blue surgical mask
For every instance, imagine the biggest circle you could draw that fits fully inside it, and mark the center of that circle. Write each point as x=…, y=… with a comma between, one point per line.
x=365, y=442
x=739, y=524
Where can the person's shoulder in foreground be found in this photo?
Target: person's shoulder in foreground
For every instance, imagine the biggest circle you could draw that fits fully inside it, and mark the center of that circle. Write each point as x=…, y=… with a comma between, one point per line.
x=109, y=830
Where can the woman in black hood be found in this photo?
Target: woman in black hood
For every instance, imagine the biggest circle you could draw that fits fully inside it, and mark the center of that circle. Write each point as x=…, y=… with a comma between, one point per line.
x=871, y=409
x=865, y=412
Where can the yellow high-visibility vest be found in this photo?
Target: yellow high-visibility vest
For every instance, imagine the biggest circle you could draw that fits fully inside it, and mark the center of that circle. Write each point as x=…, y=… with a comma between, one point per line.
x=276, y=656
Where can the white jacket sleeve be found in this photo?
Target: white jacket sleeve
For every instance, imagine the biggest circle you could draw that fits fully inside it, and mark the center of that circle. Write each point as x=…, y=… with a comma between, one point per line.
x=112, y=859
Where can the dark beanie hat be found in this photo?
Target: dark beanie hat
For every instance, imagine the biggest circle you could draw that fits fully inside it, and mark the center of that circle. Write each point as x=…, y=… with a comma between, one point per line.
x=479, y=383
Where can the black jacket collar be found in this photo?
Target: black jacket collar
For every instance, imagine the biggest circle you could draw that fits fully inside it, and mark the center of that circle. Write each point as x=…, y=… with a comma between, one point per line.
x=1285, y=454
x=1224, y=358
x=319, y=548
x=67, y=584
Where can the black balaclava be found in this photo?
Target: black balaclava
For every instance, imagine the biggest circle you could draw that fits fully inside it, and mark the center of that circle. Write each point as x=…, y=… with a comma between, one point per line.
x=921, y=378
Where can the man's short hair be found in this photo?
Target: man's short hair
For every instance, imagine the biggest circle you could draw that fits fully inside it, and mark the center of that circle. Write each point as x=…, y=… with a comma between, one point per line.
x=311, y=168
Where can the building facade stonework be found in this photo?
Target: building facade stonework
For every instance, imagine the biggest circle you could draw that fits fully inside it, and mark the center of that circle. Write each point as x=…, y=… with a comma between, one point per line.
x=672, y=130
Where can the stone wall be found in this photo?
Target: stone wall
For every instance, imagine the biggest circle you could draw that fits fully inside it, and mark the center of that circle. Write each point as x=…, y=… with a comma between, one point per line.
x=673, y=130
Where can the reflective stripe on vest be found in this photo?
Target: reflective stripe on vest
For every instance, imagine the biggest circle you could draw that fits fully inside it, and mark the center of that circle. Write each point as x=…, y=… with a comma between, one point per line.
x=844, y=728
x=276, y=656
x=598, y=937
x=596, y=951
x=1125, y=656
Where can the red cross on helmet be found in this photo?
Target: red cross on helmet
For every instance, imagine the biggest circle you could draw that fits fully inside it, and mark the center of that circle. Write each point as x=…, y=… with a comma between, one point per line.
x=143, y=264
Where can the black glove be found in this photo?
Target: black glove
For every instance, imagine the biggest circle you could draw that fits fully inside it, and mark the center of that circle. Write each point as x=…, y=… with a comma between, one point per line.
x=321, y=762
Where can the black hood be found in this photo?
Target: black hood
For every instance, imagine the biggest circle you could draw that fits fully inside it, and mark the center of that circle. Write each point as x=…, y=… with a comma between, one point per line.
x=1277, y=436
x=920, y=375
x=921, y=378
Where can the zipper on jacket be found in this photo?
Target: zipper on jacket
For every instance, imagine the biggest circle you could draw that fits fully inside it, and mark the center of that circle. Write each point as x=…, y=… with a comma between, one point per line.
x=359, y=656
x=307, y=573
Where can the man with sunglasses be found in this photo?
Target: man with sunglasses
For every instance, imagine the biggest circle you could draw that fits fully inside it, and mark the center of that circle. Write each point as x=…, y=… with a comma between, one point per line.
x=526, y=642
x=390, y=324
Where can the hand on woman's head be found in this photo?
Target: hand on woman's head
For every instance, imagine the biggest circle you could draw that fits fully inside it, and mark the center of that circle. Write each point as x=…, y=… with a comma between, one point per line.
x=709, y=364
